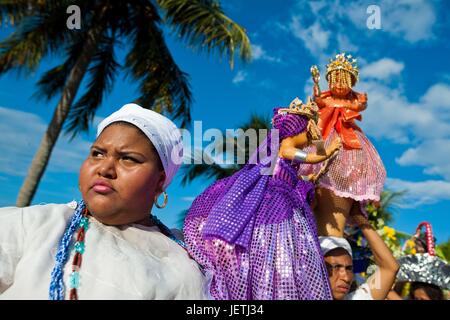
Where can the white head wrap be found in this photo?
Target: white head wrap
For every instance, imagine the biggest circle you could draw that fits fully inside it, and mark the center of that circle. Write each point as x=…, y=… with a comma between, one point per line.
x=329, y=243
x=162, y=132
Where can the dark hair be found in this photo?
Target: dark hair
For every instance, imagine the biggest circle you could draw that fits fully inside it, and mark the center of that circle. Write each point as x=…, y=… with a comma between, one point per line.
x=399, y=286
x=432, y=291
x=128, y=124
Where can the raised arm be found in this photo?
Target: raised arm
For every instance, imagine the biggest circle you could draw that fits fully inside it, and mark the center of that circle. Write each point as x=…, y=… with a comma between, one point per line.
x=291, y=145
x=380, y=283
x=320, y=98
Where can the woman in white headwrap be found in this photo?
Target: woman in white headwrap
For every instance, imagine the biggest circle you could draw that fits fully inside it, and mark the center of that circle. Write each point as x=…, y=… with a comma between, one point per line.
x=108, y=245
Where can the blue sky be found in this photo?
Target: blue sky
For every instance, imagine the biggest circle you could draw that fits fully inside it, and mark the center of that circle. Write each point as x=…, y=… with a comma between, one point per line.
x=404, y=69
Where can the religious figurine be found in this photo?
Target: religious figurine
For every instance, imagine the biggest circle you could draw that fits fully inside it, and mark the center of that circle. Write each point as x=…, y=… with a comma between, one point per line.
x=356, y=174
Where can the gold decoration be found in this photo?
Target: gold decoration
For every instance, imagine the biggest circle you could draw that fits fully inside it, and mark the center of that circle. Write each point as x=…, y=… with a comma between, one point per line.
x=310, y=109
x=345, y=67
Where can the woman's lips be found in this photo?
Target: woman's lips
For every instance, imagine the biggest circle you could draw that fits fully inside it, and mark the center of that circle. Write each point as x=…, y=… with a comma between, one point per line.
x=343, y=289
x=102, y=187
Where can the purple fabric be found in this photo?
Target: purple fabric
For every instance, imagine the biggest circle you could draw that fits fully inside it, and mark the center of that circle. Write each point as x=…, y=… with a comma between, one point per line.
x=288, y=124
x=256, y=233
x=232, y=214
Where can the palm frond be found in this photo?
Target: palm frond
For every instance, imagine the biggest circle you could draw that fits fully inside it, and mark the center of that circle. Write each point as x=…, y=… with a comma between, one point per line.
x=207, y=171
x=163, y=86
x=122, y=15
x=53, y=81
x=102, y=73
x=257, y=122
x=217, y=171
x=389, y=200
x=13, y=11
x=38, y=34
x=203, y=24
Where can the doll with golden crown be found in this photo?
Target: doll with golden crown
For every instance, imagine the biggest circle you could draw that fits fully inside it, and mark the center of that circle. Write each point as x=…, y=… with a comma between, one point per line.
x=356, y=174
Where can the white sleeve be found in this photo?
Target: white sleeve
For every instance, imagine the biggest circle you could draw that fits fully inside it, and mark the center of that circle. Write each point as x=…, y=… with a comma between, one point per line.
x=11, y=244
x=193, y=285
x=362, y=293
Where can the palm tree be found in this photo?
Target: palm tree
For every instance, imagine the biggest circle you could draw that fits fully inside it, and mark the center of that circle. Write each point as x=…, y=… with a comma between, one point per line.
x=40, y=30
x=443, y=251
x=218, y=171
x=383, y=213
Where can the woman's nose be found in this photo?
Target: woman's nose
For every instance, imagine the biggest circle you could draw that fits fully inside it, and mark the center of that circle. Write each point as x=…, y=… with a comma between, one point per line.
x=107, y=168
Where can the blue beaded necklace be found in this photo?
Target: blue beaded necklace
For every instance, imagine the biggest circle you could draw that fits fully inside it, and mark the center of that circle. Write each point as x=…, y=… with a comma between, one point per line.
x=80, y=222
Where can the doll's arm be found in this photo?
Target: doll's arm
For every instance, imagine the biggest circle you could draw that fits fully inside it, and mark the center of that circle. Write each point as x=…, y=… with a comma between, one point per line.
x=359, y=103
x=321, y=99
x=292, y=145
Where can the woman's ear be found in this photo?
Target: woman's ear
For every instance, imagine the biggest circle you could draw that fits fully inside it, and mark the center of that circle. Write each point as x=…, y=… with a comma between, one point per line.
x=162, y=179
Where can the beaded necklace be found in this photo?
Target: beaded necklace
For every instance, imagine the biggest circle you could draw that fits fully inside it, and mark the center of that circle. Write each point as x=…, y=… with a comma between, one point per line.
x=81, y=219
x=74, y=277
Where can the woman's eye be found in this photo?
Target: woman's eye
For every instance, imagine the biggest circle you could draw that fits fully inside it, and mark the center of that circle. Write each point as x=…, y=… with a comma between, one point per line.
x=126, y=158
x=96, y=154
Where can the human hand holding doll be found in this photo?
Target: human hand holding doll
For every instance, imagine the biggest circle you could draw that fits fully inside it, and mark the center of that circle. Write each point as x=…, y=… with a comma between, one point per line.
x=380, y=283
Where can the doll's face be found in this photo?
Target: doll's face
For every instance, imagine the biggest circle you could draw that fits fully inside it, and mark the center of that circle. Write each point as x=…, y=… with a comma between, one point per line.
x=340, y=83
x=121, y=176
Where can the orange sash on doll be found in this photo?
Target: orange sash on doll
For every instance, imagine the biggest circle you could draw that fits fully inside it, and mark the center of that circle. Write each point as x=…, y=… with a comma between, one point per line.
x=342, y=119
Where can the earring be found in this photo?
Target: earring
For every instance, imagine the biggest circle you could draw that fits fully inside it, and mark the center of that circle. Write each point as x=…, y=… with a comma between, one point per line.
x=166, y=197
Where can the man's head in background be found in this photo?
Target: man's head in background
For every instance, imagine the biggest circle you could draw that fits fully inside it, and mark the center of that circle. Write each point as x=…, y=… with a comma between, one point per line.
x=337, y=254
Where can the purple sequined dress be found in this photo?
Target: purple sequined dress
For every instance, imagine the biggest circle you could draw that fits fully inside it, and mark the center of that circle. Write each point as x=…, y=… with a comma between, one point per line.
x=255, y=234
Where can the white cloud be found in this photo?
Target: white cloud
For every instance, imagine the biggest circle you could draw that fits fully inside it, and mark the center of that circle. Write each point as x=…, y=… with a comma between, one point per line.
x=266, y=84
x=20, y=139
x=345, y=44
x=392, y=116
x=382, y=69
x=240, y=77
x=434, y=154
x=323, y=26
x=423, y=123
x=437, y=97
x=315, y=37
x=308, y=88
x=259, y=53
x=410, y=20
x=420, y=192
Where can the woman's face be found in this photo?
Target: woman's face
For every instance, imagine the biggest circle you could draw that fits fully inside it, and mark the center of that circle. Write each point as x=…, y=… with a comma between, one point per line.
x=121, y=176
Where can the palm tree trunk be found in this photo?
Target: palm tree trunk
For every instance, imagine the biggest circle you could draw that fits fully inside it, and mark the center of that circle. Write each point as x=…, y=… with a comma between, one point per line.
x=42, y=156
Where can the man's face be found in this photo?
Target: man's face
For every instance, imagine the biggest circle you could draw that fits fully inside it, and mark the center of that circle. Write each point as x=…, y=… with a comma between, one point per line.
x=340, y=270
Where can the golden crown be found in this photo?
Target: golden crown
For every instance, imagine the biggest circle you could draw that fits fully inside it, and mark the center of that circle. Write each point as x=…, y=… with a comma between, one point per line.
x=310, y=109
x=343, y=62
